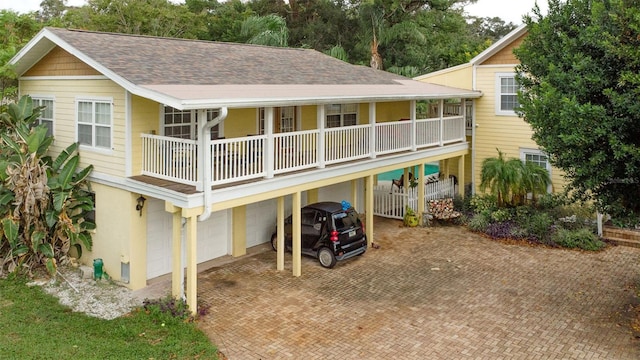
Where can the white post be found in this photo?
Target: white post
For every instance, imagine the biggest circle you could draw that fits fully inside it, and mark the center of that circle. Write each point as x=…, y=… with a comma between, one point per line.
x=441, y=114
x=599, y=220
x=412, y=109
x=320, y=118
x=372, y=133
x=269, y=162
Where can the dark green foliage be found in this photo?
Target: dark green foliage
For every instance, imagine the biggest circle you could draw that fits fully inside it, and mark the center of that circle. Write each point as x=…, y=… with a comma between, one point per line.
x=43, y=201
x=579, y=73
x=581, y=238
x=34, y=325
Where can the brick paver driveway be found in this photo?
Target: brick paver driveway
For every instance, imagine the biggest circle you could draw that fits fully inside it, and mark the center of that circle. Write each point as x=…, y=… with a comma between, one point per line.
x=437, y=293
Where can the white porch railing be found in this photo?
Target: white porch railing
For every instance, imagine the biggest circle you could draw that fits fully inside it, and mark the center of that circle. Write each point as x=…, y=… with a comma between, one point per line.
x=252, y=157
x=169, y=158
x=388, y=202
x=295, y=151
x=346, y=143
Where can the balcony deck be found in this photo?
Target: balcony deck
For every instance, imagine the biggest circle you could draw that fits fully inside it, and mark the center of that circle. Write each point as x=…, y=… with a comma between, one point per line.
x=172, y=163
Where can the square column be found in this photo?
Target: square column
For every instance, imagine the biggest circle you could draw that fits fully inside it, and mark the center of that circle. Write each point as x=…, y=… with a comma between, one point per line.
x=297, y=237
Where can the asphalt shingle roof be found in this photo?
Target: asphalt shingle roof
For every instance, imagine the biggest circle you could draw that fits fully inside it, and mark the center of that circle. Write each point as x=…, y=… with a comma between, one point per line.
x=146, y=60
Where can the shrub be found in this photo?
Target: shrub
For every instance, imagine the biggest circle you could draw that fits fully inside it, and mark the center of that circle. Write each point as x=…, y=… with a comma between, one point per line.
x=500, y=230
x=167, y=309
x=581, y=238
x=538, y=226
x=501, y=215
x=479, y=222
x=480, y=203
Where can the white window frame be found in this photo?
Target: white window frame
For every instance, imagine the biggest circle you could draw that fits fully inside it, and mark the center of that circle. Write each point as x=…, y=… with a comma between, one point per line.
x=330, y=110
x=193, y=122
x=94, y=101
x=499, y=94
x=537, y=152
x=37, y=101
x=280, y=112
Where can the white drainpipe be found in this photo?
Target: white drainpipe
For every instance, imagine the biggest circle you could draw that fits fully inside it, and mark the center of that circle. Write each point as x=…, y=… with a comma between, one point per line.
x=204, y=139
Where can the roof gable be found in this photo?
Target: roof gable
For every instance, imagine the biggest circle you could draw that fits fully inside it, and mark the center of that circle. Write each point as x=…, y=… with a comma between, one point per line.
x=502, y=49
x=59, y=62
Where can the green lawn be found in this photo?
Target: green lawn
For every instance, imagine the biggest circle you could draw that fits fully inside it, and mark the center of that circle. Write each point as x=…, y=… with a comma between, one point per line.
x=33, y=325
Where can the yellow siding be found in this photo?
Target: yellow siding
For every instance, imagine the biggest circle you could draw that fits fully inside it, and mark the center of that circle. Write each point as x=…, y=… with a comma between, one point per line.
x=240, y=122
x=309, y=116
x=65, y=93
x=145, y=118
x=391, y=111
x=509, y=134
x=459, y=77
x=120, y=235
x=58, y=62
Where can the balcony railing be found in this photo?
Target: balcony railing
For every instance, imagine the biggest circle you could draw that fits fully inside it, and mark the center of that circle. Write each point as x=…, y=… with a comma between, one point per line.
x=263, y=156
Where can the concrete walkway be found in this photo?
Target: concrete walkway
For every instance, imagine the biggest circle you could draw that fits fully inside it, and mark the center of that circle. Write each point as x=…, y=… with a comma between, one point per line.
x=436, y=293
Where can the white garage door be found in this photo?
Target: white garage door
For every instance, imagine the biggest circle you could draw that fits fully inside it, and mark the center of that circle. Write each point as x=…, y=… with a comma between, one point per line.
x=213, y=239
x=261, y=220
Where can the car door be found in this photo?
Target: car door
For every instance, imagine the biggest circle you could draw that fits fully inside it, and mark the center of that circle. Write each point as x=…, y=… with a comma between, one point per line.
x=311, y=227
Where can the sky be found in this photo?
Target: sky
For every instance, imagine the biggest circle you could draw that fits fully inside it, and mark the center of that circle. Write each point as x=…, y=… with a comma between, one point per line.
x=509, y=11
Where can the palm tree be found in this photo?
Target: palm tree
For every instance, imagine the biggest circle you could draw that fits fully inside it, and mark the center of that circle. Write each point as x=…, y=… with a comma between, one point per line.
x=512, y=179
x=501, y=176
x=270, y=30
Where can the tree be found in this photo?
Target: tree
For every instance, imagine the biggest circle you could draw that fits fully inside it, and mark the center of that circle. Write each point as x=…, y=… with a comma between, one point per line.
x=150, y=17
x=15, y=31
x=580, y=79
x=43, y=201
x=270, y=30
x=511, y=180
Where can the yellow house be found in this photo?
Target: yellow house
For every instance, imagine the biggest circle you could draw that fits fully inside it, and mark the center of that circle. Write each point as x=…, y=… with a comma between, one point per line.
x=201, y=148
x=495, y=125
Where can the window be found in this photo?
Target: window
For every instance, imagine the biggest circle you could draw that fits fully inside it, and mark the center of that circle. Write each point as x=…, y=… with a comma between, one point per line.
x=94, y=123
x=341, y=115
x=46, y=115
x=183, y=124
x=506, y=94
x=537, y=157
x=285, y=119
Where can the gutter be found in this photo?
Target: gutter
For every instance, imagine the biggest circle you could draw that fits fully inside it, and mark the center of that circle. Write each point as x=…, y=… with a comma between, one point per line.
x=204, y=139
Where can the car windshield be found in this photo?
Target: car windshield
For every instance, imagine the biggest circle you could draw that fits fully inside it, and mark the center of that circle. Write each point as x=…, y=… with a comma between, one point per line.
x=345, y=220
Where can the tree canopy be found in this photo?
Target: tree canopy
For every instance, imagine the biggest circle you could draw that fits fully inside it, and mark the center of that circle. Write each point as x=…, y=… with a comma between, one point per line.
x=580, y=78
x=409, y=37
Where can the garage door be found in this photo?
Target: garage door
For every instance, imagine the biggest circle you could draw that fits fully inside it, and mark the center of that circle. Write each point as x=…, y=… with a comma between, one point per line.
x=213, y=239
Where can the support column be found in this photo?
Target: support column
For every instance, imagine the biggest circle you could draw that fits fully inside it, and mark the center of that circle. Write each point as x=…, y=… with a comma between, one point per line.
x=461, y=176
x=372, y=134
x=368, y=189
x=297, y=237
x=280, y=234
x=270, y=147
x=320, y=122
x=312, y=196
x=177, y=287
x=354, y=193
x=420, y=191
x=239, y=229
x=192, y=262
x=412, y=115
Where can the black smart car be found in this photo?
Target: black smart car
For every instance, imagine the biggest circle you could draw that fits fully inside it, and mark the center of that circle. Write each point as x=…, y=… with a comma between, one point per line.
x=331, y=231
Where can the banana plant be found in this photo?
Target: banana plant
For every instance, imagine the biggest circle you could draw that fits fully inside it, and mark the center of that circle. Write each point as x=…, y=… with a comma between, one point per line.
x=43, y=202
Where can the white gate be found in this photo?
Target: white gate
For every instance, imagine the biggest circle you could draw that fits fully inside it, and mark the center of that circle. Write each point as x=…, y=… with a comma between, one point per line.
x=390, y=202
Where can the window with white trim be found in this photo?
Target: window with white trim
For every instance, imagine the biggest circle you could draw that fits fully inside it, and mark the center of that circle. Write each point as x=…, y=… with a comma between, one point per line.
x=46, y=114
x=285, y=119
x=183, y=124
x=339, y=115
x=506, y=93
x=537, y=157
x=95, y=123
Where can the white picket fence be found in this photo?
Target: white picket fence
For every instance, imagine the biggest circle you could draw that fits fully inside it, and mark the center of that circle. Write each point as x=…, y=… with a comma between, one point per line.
x=390, y=202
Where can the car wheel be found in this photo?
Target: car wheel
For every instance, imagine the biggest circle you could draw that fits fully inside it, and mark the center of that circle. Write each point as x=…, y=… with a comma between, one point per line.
x=274, y=242
x=326, y=257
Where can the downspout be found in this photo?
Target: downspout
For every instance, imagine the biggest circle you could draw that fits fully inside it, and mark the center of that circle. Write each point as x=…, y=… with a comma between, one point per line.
x=204, y=139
